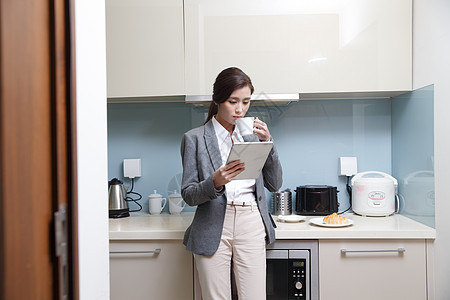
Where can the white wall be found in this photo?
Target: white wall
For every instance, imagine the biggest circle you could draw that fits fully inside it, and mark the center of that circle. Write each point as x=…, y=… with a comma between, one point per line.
x=92, y=149
x=431, y=65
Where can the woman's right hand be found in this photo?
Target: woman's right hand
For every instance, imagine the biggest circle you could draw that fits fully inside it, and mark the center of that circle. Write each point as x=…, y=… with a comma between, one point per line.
x=226, y=173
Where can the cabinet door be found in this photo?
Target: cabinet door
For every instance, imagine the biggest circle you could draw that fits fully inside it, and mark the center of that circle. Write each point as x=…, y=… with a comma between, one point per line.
x=371, y=274
x=304, y=46
x=144, y=47
x=165, y=275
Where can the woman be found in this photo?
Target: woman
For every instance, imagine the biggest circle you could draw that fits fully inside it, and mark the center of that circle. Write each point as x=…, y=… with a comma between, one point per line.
x=232, y=222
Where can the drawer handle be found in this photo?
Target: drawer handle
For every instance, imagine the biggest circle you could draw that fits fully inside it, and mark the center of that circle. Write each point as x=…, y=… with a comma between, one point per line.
x=399, y=250
x=156, y=251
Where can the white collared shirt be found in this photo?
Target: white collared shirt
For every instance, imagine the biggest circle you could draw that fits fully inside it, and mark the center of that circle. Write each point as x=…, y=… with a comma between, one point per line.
x=236, y=190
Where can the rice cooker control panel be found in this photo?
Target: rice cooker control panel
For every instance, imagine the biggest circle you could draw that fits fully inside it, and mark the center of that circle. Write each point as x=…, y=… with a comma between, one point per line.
x=376, y=198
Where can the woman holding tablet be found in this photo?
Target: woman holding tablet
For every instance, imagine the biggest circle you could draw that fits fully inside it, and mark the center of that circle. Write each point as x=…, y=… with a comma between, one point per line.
x=232, y=223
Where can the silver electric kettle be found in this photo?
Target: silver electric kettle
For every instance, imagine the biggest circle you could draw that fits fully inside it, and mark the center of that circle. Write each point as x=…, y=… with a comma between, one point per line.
x=118, y=206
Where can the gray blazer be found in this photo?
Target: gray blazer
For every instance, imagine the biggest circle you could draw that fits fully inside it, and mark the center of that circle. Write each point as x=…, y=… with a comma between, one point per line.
x=200, y=155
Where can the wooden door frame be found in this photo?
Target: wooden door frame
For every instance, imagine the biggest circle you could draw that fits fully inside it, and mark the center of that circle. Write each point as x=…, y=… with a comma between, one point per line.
x=37, y=146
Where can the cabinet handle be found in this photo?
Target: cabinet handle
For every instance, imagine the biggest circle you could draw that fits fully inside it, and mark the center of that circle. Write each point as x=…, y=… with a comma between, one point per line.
x=156, y=251
x=399, y=250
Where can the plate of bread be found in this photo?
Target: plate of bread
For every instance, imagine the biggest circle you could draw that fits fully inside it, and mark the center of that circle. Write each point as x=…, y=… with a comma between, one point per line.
x=333, y=220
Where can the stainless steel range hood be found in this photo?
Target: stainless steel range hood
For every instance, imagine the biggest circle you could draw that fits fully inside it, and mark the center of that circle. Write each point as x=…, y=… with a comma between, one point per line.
x=206, y=99
x=261, y=97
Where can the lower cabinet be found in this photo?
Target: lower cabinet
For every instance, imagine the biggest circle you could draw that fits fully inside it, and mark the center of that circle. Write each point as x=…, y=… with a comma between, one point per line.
x=372, y=269
x=348, y=269
x=156, y=269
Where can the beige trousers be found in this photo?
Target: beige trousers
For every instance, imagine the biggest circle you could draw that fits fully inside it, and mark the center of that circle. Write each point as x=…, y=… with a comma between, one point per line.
x=243, y=241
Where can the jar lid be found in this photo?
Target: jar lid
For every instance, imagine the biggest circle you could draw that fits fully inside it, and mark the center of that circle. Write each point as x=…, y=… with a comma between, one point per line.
x=175, y=194
x=155, y=194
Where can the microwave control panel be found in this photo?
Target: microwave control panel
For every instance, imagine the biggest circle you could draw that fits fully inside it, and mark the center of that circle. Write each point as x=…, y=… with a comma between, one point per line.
x=297, y=283
x=298, y=273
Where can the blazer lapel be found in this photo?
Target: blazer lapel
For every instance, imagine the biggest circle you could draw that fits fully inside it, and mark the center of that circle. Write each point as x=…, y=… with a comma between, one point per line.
x=212, y=145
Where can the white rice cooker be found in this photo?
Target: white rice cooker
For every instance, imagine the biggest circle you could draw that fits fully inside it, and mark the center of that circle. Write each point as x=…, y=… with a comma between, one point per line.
x=374, y=194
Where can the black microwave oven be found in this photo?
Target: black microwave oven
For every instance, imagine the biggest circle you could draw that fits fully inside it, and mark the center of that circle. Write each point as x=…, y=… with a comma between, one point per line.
x=319, y=200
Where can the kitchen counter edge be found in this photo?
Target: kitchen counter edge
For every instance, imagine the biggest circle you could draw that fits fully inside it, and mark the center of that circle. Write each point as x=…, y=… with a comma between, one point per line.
x=143, y=226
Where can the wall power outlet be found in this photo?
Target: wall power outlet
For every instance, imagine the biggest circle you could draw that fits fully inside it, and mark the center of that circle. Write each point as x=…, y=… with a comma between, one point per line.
x=347, y=166
x=132, y=168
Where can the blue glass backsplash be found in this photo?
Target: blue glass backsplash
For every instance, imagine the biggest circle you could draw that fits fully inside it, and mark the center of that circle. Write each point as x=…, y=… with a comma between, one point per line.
x=310, y=137
x=413, y=153
x=394, y=136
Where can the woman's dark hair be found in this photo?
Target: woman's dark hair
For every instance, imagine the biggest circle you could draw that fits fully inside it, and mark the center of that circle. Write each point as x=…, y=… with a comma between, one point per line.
x=226, y=82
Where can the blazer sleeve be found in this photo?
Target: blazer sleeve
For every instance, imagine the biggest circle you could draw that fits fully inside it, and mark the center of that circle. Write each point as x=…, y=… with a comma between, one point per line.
x=272, y=171
x=197, y=185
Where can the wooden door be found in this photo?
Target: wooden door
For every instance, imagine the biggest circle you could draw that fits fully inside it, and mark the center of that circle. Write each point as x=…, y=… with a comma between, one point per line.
x=37, y=156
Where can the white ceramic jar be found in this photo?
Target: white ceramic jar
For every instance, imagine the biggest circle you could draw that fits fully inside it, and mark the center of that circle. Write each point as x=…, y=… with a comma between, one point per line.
x=156, y=203
x=176, y=203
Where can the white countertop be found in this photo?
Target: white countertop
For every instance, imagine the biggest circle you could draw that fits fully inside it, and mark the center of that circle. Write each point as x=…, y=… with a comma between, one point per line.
x=143, y=226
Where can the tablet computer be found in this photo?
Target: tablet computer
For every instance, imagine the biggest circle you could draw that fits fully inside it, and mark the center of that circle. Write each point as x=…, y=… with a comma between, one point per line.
x=253, y=154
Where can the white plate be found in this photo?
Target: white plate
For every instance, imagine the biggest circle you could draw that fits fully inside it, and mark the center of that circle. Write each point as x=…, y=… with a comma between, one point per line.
x=319, y=222
x=291, y=218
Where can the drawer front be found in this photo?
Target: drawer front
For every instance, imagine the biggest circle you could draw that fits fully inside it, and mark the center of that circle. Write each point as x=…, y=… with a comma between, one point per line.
x=375, y=269
x=150, y=270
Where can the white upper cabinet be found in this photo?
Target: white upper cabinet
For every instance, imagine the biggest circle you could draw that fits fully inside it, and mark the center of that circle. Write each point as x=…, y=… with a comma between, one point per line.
x=300, y=46
x=144, y=48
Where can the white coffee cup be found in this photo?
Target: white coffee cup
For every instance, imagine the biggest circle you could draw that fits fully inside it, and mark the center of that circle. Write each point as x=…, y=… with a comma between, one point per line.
x=176, y=203
x=156, y=203
x=245, y=125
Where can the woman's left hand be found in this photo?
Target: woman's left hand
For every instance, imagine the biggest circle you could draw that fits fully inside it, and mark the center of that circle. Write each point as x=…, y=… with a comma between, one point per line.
x=261, y=130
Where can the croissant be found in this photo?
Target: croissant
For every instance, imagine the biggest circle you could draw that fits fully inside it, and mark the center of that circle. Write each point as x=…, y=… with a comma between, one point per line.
x=334, y=218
